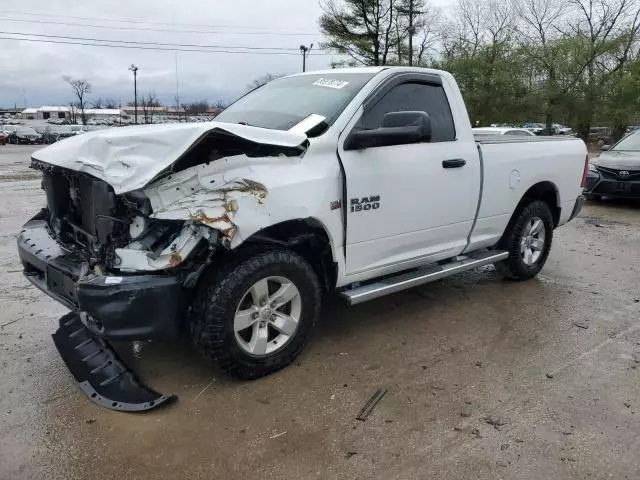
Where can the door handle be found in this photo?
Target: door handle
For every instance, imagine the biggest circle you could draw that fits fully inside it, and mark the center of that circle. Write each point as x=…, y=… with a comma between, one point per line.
x=455, y=163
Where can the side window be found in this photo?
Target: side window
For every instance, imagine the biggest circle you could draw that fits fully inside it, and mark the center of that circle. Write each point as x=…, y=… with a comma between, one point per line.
x=415, y=97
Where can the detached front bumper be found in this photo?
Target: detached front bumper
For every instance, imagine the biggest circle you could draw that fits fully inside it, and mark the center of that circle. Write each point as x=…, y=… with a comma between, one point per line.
x=131, y=307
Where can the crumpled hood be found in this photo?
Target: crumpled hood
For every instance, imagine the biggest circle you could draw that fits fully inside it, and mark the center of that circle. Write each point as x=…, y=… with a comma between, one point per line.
x=128, y=158
x=618, y=160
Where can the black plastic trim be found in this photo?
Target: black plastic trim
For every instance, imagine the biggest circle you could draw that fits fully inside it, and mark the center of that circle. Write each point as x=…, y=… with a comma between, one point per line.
x=99, y=372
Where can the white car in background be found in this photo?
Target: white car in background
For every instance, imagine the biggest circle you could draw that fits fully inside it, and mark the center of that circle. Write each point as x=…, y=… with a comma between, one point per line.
x=511, y=131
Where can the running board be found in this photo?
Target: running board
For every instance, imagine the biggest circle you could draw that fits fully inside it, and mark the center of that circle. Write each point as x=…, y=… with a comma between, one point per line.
x=421, y=276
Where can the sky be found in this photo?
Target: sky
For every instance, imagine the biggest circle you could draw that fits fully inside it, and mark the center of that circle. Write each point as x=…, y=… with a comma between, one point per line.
x=31, y=73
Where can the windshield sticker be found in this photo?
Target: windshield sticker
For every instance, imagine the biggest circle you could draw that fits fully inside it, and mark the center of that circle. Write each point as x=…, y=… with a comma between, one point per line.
x=329, y=83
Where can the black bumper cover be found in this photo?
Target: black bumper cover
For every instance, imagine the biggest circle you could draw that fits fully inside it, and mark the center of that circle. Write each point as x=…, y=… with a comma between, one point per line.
x=100, y=374
x=598, y=184
x=131, y=307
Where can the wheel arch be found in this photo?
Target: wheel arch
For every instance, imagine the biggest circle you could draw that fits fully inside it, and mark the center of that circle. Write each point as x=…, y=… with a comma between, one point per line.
x=307, y=237
x=544, y=191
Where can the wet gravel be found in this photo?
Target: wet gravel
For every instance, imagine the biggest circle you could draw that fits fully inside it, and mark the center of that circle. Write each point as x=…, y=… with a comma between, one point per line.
x=486, y=378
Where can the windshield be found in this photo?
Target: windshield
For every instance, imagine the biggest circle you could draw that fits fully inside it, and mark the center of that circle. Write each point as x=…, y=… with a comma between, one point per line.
x=283, y=103
x=630, y=143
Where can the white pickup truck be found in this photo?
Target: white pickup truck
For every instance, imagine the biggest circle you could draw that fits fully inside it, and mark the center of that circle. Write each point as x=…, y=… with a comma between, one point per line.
x=362, y=181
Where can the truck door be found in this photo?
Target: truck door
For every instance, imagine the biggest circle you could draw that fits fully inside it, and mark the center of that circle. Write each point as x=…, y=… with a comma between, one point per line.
x=410, y=203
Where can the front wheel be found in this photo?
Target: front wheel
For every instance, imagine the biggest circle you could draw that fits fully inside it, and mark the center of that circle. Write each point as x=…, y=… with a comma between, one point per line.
x=253, y=316
x=528, y=240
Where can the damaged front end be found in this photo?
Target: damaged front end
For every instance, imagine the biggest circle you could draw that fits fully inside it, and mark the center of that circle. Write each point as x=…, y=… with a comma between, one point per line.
x=104, y=256
x=125, y=254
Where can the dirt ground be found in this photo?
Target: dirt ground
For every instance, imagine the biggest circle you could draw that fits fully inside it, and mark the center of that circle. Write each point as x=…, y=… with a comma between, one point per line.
x=466, y=360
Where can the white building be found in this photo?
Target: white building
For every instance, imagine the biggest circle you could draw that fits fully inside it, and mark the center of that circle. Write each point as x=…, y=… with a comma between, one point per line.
x=67, y=113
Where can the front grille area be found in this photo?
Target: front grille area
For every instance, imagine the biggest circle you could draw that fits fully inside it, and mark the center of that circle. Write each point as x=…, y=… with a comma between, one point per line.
x=84, y=212
x=619, y=189
x=614, y=174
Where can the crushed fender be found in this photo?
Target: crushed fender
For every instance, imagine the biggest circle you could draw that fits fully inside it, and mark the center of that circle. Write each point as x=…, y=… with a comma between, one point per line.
x=100, y=374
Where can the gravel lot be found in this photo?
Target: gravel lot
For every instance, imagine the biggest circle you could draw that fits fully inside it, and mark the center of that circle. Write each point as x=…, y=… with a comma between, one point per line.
x=465, y=361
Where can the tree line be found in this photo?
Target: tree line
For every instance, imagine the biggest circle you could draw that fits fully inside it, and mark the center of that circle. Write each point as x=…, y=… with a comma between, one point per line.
x=575, y=62
x=147, y=103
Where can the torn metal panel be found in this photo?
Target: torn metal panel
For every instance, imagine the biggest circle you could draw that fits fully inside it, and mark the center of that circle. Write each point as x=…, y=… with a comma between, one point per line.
x=136, y=259
x=128, y=158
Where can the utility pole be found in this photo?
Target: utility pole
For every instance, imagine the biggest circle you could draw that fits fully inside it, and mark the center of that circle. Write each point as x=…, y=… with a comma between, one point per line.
x=177, y=91
x=410, y=12
x=134, y=69
x=305, y=50
x=410, y=32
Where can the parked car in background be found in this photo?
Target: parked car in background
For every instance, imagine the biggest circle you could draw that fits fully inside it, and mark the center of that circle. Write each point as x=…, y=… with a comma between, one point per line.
x=3, y=138
x=601, y=135
x=25, y=136
x=512, y=132
x=616, y=172
x=8, y=130
x=535, y=128
x=561, y=129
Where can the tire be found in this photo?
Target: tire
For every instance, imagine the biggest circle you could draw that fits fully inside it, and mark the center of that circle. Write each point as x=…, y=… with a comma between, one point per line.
x=224, y=295
x=520, y=266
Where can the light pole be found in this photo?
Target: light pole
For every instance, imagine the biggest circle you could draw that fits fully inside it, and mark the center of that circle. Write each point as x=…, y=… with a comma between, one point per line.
x=134, y=69
x=305, y=50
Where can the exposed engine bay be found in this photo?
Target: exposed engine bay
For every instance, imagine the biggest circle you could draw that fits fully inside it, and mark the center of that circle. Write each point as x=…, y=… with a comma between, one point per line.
x=186, y=210
x=87, y=217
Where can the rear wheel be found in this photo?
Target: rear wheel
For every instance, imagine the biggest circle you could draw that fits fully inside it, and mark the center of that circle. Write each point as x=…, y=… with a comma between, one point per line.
x=528, y=241
x=254, y=315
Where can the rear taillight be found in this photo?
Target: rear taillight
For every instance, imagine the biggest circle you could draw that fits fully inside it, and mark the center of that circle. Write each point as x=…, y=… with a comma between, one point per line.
x=585, y=172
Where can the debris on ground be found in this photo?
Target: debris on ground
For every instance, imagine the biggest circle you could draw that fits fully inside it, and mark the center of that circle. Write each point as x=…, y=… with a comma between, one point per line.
x=476, y=433
x=350, y=454
x=568, y=459
x=519, y=440
x=371, y=404
x=582, y=325
x=504, y=446
x=9, y=323
x=495, y=422
x=627, y=404
x=277, y=435
x=549, y=375
x=479, y=364
x=502, y=464
x=89, y=421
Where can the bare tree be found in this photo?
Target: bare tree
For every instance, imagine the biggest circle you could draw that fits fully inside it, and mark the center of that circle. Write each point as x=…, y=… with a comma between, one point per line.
x=73, y=112
x=149, y=103
x=81, y=88
x=196, y=108
x=111, y=103
x=263, y=80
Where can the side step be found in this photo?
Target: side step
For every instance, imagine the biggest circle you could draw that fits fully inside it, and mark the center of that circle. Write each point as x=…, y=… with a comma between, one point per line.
x=103, y=378
x=423, y=275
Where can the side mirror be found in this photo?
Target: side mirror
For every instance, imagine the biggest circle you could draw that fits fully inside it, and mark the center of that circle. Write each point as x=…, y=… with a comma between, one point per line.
x=398, y=128
x=606, y=147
